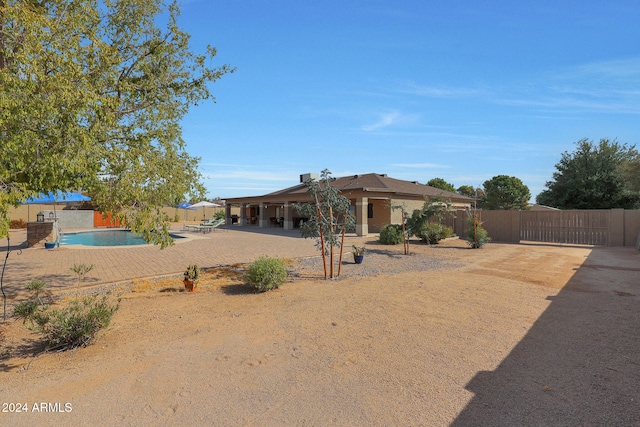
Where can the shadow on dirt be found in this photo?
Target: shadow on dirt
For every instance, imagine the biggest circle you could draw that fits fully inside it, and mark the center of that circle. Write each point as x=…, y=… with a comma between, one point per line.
x=579, y=363
x=238, y=289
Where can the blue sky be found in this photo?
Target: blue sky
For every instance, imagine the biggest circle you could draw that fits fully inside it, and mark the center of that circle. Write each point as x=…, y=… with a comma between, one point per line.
x=461, y=90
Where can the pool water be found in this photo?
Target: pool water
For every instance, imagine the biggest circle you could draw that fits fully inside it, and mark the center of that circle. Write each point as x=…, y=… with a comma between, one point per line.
x=104, y=238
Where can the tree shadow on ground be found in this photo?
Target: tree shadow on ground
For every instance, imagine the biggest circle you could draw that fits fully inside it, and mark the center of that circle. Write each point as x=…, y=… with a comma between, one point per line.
x=579, y=363
x=31, y=348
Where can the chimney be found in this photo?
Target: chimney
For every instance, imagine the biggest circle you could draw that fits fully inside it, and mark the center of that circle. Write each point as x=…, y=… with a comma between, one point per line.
x=308, y=176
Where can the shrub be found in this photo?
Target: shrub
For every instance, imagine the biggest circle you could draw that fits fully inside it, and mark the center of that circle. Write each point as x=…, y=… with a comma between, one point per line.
x=77, y=324
x=17, y=223
x=266, y=273
x=433, y=232
x=476, y=235
x=220, y=215
x=5, y=353
x=71, y=326
x=28, y=310
x=391, y=234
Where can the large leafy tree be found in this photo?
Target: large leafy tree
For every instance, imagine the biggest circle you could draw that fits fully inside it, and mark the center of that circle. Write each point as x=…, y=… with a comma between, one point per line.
x=441, y=184
x=631, y=174
x=505, y=192
x=93, y=92
x=593, y=177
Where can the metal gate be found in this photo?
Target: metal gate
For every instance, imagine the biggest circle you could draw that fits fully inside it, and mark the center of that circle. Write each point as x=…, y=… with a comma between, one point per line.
x=584, y=227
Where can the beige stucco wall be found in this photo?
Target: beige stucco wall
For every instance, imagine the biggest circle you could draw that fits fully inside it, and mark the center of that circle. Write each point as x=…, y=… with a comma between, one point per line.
x=381, y=215
x=408, y=205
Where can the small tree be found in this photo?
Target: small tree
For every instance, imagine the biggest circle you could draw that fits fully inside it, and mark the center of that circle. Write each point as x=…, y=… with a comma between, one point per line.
x=404, y=226
x=329, y=217
x=81, y=270
x=477, y=236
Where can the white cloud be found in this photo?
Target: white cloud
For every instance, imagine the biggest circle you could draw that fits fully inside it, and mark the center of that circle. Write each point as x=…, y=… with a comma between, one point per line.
x=393, y=118
x=384, y=120
x=412, y=88
x=605, y=87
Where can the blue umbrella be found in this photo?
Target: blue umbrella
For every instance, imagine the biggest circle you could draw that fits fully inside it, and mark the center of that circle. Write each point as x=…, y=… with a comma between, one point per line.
x=185, y=205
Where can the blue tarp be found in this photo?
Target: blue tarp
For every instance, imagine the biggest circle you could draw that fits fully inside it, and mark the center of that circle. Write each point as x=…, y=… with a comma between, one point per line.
x=58, y=197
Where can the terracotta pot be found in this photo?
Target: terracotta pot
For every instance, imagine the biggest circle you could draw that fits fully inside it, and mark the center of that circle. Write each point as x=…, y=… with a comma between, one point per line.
x=188, y=285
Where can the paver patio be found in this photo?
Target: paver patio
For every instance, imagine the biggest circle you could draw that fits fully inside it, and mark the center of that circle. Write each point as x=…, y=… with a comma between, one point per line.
x=117, y=264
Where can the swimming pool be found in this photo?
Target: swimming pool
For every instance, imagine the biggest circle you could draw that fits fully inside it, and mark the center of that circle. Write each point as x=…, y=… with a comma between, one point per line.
x=105, y=238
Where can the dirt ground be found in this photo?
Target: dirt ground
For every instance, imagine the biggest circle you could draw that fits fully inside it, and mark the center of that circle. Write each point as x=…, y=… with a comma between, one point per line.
x=506, y=335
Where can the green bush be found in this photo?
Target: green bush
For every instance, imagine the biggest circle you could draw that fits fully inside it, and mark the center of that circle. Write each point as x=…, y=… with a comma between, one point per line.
x=219, y=215
x=391, y=234
x=266, y=273
x=68, y=327
x=476, y=235
x=77, y=324
x=433, y=232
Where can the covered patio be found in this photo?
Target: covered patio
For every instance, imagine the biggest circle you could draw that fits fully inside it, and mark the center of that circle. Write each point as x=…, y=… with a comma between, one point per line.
x=373, y=200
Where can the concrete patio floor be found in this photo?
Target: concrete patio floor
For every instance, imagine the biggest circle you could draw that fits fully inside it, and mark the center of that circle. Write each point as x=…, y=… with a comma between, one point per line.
x=123, y=263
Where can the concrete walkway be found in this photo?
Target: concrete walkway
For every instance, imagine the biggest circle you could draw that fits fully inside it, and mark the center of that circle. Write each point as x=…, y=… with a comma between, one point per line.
x=118, y=264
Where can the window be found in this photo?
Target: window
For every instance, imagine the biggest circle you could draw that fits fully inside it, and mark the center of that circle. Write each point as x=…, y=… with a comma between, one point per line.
x=370, y=210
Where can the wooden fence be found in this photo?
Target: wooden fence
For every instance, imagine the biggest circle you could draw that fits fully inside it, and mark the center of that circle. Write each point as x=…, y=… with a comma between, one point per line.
x=615, y=227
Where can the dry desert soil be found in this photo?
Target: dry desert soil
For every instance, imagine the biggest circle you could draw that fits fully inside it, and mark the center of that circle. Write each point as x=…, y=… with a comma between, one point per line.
x=507, y=335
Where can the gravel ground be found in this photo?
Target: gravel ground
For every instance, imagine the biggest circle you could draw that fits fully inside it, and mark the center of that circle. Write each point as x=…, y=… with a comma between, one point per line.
x=376, y=262
x=509, y=335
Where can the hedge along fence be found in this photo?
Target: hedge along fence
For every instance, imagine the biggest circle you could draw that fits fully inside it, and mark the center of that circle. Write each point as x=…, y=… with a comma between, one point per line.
x=615, y=227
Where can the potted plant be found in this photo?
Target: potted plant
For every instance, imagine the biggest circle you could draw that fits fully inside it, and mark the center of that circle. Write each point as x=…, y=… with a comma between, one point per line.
x=358, y=254
x=191, y=276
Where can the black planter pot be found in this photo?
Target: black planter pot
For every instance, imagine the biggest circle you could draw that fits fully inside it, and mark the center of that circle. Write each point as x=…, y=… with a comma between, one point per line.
x=358, y=259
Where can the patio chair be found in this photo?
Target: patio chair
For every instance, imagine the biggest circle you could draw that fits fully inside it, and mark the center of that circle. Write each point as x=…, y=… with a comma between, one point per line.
x=214, y=225
x=210, y=221
x=201, y=228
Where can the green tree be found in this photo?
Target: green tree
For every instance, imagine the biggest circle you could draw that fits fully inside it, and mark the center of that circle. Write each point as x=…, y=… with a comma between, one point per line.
x=329, y=216
x=93, y=93
x=466, y=190
x=441, y=184
x=631, y=174
x=505, y=192
x=593, y=177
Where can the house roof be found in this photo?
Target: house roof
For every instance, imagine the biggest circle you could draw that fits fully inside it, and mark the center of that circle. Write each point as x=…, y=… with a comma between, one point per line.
x=371, y=183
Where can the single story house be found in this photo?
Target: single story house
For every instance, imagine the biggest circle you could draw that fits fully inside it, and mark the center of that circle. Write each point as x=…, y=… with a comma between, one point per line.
x=372, y=197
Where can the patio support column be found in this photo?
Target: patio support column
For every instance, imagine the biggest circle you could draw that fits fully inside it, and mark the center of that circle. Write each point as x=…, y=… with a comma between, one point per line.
x=362, y=225
x=243, y=214
x=227, y=213
x=263, y=220
x=288, y=216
